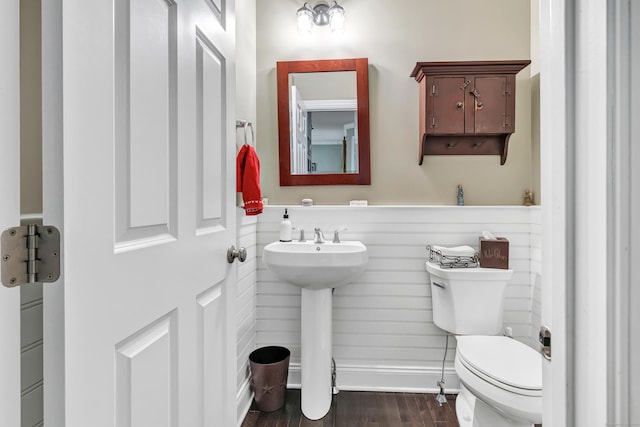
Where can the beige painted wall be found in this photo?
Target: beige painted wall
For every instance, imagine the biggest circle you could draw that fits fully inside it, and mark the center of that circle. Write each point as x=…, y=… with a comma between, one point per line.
x=30, y=108
x=535, y=100
x=394, y=37
x=245, y=62
x=245, y=71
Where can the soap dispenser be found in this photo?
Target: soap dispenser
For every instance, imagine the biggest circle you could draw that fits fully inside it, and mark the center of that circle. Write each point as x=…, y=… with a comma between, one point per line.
x=285, y=228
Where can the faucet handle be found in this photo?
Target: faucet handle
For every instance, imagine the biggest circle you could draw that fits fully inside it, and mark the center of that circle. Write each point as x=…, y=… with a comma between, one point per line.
x=318, y=235
x=336, y=236
x=301, y=239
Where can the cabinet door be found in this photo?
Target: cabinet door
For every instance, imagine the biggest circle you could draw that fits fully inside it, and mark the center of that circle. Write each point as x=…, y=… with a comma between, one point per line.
x=488, y=98
x=446, y=115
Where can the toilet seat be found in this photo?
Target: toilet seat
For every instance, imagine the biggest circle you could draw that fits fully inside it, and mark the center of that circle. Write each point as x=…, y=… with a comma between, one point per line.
x=503, y=362
x=502, y=372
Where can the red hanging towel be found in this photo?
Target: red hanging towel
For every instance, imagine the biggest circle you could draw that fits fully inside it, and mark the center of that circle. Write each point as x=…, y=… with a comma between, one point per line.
x=248, y=179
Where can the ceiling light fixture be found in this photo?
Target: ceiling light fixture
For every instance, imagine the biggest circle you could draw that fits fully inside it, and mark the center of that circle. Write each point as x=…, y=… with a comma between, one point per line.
x=321, y=14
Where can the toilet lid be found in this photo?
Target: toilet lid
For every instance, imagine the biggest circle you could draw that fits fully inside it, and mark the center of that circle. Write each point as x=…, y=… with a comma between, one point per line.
x=502, y=361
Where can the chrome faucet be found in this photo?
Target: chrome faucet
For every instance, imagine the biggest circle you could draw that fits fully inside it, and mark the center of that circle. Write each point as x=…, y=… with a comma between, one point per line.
x=336, y=236
x=318, y=236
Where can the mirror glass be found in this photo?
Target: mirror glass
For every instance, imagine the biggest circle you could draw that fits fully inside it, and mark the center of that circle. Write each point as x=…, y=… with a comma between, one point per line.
x=323, y=120
x=324, y=137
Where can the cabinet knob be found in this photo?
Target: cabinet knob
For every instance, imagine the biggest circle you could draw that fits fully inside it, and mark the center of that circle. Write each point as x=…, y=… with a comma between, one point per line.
x=459, y=105
x=479, y=105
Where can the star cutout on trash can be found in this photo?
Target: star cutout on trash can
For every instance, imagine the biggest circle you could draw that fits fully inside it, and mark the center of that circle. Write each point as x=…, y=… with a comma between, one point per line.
x=267, y=388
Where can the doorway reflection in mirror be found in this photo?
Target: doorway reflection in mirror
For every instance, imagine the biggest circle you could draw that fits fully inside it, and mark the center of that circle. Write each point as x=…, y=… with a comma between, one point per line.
x=327, y=143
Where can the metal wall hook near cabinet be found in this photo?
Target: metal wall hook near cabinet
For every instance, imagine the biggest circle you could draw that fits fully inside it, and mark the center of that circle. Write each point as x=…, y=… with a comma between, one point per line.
x=244, y=124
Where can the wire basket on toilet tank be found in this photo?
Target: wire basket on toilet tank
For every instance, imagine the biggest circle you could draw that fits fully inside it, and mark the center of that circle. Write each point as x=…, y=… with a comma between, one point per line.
x=456, y=257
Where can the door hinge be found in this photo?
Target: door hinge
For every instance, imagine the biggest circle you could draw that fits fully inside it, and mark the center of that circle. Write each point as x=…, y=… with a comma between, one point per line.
x=30, y=254
x=544, y=337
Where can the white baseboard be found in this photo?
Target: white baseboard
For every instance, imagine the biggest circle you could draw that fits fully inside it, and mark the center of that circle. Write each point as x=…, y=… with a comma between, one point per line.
x=244, y=397
x=386, y=378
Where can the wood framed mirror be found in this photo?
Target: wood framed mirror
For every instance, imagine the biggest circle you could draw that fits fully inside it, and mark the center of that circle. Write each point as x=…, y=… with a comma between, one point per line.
x=323, y=122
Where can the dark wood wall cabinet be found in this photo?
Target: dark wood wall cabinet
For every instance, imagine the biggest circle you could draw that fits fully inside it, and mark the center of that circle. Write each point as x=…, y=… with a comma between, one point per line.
x=467, y=107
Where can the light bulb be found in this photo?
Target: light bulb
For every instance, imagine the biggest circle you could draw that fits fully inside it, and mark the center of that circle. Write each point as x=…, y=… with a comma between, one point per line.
x=336, y=17
x=305, y=20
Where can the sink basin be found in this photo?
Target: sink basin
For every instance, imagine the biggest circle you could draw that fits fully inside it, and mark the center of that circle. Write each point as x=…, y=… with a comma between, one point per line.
x=316, y=265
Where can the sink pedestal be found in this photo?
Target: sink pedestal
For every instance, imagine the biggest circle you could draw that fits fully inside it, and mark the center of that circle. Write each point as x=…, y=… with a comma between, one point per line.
x=316, y=349
x=316, y=268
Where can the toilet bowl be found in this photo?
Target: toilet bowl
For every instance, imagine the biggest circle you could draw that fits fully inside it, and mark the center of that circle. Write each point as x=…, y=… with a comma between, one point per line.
x=501, y=378
x=504, y=374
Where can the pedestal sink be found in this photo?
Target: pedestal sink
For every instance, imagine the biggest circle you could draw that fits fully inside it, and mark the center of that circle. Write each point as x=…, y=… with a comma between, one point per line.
x=316, y=268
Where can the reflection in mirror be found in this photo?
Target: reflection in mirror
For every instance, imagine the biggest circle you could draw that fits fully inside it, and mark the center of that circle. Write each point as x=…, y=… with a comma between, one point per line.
x=323, y=118
x=323, y=108
x=334, y=143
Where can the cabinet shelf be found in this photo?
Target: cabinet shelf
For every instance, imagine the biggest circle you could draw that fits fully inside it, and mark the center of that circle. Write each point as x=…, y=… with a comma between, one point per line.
x=467, y=108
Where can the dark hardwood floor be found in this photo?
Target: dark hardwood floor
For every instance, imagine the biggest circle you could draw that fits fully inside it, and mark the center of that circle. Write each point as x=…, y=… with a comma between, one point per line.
x=363, y=409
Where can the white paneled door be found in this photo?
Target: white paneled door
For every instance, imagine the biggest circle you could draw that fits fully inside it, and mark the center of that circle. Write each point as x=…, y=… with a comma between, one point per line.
x=148, y=212
x=10, y=208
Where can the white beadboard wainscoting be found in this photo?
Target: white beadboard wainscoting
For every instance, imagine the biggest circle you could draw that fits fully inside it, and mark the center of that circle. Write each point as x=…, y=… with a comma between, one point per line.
x=383, y=334
x=246, y=306
x=31, y=346
x=536, y=275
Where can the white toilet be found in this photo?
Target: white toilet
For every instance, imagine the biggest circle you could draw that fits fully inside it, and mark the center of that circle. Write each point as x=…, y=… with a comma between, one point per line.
x=501, y=378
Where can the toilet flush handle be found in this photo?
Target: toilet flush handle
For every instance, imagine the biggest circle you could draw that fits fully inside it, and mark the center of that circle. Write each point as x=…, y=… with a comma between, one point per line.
x=440, y=285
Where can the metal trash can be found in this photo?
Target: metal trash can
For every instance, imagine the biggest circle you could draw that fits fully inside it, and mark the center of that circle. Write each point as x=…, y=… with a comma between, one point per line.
x=269, y=372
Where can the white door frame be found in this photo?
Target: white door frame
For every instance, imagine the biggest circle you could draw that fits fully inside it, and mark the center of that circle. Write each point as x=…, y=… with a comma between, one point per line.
x=53, y=294
x=555, y=186
x=10, y=208
x=623, y=381
x=630, y=291
x=587, y=173
x=587, y=139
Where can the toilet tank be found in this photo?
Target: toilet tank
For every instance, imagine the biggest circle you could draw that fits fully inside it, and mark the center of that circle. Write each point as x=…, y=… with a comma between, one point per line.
x=468, y=301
